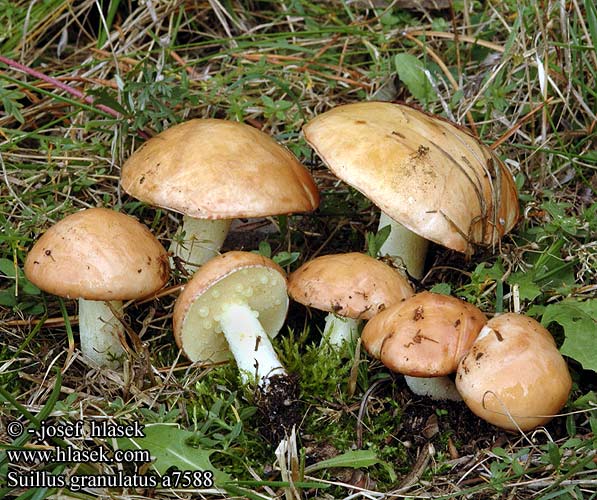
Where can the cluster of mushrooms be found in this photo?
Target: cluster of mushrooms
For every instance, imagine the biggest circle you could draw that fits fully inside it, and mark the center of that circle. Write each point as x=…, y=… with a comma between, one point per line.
x=432, y=180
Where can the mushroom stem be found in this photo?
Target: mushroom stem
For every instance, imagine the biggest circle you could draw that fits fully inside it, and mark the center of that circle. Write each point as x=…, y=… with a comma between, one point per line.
x=438, y=388
x=249, y=344
x=199, y=240
x=339, y=330
x=403, y=246
x=100, y=332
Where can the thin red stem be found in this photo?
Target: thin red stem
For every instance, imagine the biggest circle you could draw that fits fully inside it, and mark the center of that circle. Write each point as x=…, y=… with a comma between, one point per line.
x=57, y=84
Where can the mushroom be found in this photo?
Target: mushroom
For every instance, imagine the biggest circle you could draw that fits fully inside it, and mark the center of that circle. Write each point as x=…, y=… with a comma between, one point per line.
x=424, y=338
x=432, y=180
x=514, y=377
x=213, y=171
x=100, y=257
x=351, y=287
x=234, y=304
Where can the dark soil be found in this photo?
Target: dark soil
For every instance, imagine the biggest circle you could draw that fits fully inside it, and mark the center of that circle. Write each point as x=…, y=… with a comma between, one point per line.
x=278, y=408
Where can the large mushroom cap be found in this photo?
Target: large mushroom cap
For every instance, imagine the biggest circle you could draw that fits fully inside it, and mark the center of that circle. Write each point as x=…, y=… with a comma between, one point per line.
x=229, y=278
x=514, y=374
x=219, y=169
x=98, y=254
x=424, y=336
x=353, y=285
x=424, y=172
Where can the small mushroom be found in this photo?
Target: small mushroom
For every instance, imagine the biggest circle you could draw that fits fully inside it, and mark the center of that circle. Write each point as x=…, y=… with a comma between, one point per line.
x=432, y=180
x=351, y=287
x=234, y=304
x=100, y=257
x=213, y=171
x=514, y=377
x=424, y=338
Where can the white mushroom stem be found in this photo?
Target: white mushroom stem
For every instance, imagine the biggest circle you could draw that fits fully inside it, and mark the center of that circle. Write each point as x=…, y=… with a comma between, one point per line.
x=404, y=246
x=339, y=330
x=199, y=240
x=438, y=388
x=249, y=343
x=100, y=332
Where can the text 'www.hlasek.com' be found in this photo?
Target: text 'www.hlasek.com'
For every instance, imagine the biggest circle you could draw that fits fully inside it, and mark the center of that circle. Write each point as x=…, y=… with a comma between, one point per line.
x=63, y=444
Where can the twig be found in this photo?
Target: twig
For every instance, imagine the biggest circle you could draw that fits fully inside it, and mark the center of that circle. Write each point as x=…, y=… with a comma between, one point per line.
x=417, y=471
x=362, y=409
x=519, y=124
x=464, y=38
x=57, y=84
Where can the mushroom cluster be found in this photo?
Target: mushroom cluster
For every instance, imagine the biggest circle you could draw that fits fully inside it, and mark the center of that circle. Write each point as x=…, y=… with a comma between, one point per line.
x=432, y=180
x=424, y=338
x=508, y=369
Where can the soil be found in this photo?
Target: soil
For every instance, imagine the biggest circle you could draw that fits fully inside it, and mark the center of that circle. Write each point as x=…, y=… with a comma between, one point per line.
x=278, y=408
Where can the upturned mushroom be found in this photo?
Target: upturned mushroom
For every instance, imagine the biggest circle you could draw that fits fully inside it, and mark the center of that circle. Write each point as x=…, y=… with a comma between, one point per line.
x=100, y=257
x=233, y=305
x=424, y=338
x=351, y=287
x=514, y=377
x=213, y=171
x=432, y=180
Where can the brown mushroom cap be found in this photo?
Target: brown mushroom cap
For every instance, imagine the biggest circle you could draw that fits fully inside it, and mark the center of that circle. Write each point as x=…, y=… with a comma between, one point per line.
x=353, y=285
x=424, y=336
x=219, y=169
x=98, y=254
x=227, y=278
x=514, y=367
x=424, y=172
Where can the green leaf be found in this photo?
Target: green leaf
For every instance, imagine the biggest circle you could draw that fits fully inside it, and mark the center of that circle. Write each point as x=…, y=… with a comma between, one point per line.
x=8, y=297
x=411, y=72
x=443, y=288
x=264, y=249
x=527, y=288
x=286, y=258
x=353, y=459
x=7, y=268
x=587, y=401
x=376, y=240
x=553, y=454
x=102, y=96
x=173, y=447
x=579, y=320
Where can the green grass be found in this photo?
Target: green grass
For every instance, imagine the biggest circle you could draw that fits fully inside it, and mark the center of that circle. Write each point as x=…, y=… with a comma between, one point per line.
x=276, y=65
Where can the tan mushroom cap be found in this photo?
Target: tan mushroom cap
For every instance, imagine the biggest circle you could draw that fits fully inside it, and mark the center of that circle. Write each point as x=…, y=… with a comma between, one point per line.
x=228, y=278
x=219, y=169
x=424, y=172
x=514, y=367
x=424, y=336
x=353, y=285
x=98, y=254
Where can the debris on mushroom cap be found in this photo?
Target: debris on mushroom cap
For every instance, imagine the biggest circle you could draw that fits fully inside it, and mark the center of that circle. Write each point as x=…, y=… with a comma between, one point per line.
x=424, y=336
x=352, y=285
x=514, y=376
x=98, y=254
x=424, y=172
x=219, y=169
x=230, y=277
